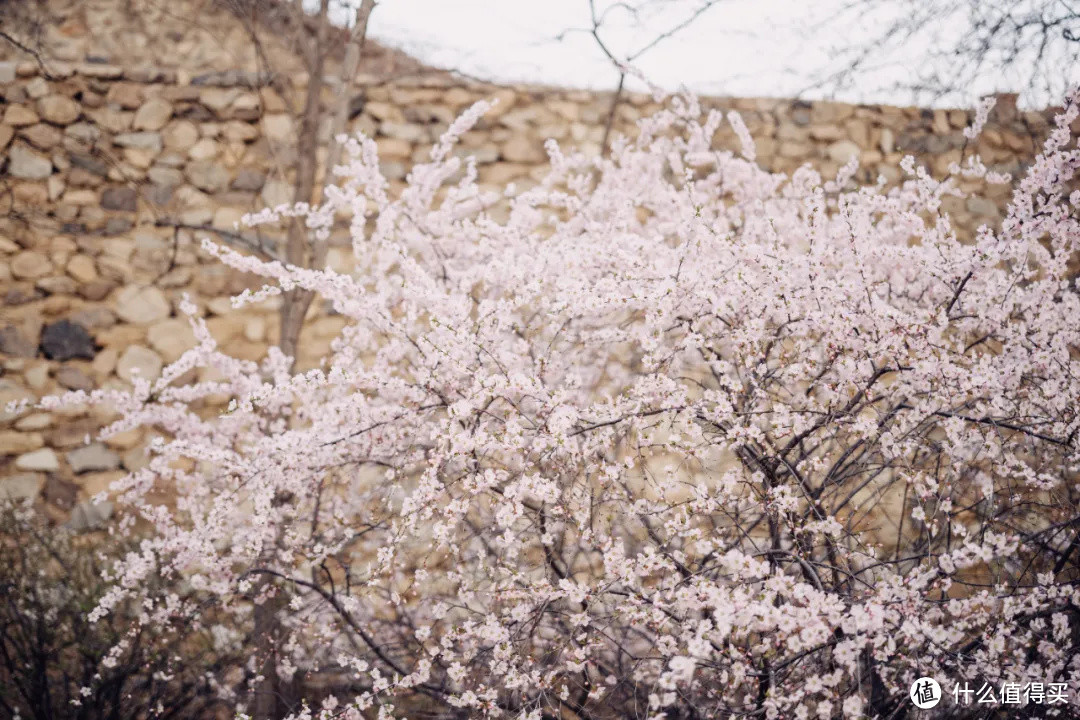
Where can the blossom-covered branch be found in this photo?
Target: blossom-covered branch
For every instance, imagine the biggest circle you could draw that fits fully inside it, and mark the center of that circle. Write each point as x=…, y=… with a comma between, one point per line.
x=673, y=435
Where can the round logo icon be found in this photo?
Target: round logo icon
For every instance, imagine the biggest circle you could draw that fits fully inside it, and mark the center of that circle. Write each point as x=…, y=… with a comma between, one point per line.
x=925, y=693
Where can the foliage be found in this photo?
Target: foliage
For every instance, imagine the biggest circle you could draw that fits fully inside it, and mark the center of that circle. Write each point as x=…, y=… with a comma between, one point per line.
x=675, y=435
x=50, y=581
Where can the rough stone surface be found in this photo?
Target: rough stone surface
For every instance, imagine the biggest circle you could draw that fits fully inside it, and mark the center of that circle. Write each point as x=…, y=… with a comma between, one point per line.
x=89, y=516
x=180, y=135
x=171, y=338
x=119, y=198
x=94, y=317
x=843, y=150
x=92, y=165
x=205, y=149
x=93, y=457
x=165, y=176
x=238, y=131
x=249, y=180
x=278, y=128
x=113, y=148
x=58, y=109
x=139, y=361
x=20, y=487
x=153, y=115
x=29, y=265
x=28, y=164
x=142, y=305
x=208, y=176
x=82, y=269
x=982, y=208
x=43, y=137
x=19, y=116
x=139, y=140
x=60, y=492
x=65, y=340
x=522, y=149
x=13, y=342
x=16, y=443
x=43, y=460
x=74, y=379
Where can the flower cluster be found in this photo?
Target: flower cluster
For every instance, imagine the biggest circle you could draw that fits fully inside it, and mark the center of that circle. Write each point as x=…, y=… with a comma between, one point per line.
x=666, y=434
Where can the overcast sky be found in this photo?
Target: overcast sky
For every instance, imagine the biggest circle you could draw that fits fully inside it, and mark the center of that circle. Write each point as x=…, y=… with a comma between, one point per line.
x=746, y=48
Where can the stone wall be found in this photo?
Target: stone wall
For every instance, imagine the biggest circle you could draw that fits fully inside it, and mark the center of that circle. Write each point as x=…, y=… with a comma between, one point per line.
x=100, y=162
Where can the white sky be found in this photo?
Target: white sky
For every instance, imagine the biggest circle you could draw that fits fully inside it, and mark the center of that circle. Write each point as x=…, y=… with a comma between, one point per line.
x=742, y=48
x=737, y=47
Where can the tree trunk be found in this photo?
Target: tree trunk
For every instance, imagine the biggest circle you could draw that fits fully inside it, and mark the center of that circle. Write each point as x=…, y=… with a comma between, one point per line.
x=273, y=697
x=298, y=248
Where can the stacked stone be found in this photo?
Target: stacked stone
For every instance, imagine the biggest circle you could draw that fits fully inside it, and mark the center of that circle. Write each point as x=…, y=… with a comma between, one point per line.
x=112, y=176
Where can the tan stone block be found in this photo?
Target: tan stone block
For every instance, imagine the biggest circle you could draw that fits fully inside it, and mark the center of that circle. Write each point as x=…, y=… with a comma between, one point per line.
x=218, y=99
x=34, y=421
x=126, y=95
x=791, y=149
x=20, y=116
x=80, y=197
x=42, y=136
x=13, y=442
x=153, y=115
x=505, y=99
x=237, y=130
x=940, y=123
x=255, y=329
x=384, y=111
x=21, y=486
x=278, y=128
x=204, y=149
x=37, y=88
x=58, y=109
x=888, y=141
x=859, y=132
x=125, y=440
x=120, y=336
x=272, y=102
x=104, y=362
x=843, y=150
x=568, y=111
x=29, y=265
x=99, y=482
x=171, y=338
x=82, y=268
x=502, y=172
x=138, y=361
x=42, y=460
x=180, y=135
x=55, y=186
x=457, y=97
x=522, y=149
x=830, y=112
x=226, y=327
x=394, y=147
x=28, y=164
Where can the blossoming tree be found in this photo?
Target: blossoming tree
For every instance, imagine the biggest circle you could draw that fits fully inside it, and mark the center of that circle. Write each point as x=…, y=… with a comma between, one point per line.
x=675, y=436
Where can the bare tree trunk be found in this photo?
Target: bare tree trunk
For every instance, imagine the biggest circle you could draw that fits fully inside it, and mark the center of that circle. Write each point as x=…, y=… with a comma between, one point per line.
x=270, y=702
x=270, y=693
x=299, y=250
x=272, y=696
